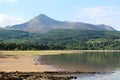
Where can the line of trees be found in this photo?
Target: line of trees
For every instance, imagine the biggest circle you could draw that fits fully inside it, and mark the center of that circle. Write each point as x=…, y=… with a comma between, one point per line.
x=108, y=45
x=60, y=40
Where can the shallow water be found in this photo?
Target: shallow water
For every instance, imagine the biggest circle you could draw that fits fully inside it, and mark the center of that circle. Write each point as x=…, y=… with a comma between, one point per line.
x=110, y=76
x=86, y=62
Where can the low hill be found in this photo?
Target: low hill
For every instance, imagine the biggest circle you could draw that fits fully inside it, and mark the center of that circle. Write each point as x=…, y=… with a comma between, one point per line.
x=11, y=35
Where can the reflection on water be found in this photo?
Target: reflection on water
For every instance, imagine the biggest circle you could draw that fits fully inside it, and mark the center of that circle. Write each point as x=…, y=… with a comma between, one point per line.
x=86, y=62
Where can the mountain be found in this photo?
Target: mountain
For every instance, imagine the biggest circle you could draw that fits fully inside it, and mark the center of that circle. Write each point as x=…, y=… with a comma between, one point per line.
x=43, y=23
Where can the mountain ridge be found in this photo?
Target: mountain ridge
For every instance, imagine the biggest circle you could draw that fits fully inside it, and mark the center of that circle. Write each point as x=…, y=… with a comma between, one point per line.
x=43, y=23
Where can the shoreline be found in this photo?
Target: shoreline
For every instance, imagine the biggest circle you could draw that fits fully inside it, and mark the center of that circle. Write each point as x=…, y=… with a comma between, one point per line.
x=44, y=75
x=50, y=52
x=22, y=64
x=24, y=61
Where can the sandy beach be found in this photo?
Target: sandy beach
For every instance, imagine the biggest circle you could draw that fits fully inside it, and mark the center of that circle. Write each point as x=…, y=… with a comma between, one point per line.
x=23, y=64
x=23, y=61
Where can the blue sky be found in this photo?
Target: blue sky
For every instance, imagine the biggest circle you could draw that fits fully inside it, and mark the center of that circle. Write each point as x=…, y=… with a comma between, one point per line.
x=89, y=11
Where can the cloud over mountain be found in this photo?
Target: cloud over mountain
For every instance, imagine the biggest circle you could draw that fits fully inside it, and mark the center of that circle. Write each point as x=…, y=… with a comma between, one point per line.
x=9, y=20
x=100, y=15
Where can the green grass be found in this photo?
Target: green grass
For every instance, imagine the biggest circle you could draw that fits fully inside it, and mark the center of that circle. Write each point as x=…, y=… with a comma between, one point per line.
x=51, y=52
x=32, y=52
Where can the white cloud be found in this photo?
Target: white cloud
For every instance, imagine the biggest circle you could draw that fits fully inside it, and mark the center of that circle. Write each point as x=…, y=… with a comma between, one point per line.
x=100, y=15
x=6, y=20
x=13, y=1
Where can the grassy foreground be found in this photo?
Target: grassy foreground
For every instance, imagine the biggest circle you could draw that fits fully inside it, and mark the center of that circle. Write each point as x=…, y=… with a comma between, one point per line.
x=51, y=52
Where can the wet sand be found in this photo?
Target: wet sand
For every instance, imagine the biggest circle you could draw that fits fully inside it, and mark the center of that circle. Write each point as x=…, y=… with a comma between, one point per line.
x=23, y=64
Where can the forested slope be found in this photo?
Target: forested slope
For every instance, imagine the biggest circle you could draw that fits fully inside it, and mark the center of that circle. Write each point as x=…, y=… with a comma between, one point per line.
x=63, y=39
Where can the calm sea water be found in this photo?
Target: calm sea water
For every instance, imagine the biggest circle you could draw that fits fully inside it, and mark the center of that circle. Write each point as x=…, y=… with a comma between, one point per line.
x=86, y=62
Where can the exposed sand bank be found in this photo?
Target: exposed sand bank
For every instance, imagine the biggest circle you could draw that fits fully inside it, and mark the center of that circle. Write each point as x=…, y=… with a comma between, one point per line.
x=22, y=63
x=24, y=60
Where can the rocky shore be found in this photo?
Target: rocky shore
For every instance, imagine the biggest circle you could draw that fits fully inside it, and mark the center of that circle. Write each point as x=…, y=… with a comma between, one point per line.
x=42, y=75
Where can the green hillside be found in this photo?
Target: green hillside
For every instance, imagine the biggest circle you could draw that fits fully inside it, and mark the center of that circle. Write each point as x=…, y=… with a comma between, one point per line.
x=63, y=39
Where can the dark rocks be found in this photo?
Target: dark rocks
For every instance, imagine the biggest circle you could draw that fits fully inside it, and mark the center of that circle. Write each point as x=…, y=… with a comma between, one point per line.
x=42, y=75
